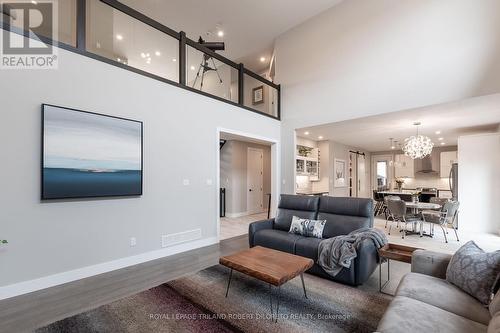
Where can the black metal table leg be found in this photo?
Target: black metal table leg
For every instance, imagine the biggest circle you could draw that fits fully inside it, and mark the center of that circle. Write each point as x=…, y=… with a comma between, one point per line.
x=303, y=285
x=278, y=304
x=380, y=285
x=229, y=281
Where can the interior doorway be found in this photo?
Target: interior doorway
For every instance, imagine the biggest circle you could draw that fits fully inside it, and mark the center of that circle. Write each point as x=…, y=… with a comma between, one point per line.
x=246, y=182
x=358, y=180
x=255, y=180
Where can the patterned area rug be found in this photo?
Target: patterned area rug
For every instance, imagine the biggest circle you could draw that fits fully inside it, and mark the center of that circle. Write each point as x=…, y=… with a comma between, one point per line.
x=196, y=303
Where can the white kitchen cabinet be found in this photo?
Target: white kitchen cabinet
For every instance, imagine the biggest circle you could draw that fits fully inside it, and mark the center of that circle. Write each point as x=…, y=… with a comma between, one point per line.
x=307, y=162
x=403, y=166
x=447, y=158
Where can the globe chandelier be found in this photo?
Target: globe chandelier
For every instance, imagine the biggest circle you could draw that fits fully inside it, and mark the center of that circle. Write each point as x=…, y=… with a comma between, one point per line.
x=417, y=146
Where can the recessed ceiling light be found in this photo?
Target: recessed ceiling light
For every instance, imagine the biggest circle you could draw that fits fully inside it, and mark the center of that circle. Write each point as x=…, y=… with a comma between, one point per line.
x=143, y=55
x=174, y=60
x=192, y=68
x=158, y=53
x=306, y=133
x=320, y=137
x=119, y=37
x=34, y=2
x=442, y=143
x=262, y=59
x=393, y=147
x=148, y=55
x=440, y=139
x=220, y=33
x=438, y=132
x=119, y=60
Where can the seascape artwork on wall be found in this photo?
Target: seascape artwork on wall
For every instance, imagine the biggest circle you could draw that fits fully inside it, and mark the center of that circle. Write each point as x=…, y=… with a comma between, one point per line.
x=86, y=154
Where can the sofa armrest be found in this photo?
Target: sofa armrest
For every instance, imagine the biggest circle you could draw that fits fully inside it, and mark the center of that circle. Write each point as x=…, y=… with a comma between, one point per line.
x=366, y=261
x=430, y=263
x=256, y=226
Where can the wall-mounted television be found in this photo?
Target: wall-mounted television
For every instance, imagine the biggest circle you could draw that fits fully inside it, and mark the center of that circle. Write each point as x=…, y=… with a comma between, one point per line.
x=88, y=155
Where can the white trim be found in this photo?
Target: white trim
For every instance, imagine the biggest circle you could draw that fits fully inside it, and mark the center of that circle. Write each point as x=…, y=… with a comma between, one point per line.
x=25, y=287
x=275, y=168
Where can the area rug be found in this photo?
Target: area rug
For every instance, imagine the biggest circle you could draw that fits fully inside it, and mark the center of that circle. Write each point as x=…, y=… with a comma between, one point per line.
x=196, y=303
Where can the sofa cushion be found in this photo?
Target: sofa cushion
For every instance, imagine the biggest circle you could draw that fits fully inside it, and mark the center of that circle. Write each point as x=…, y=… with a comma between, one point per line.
x=412, y=316
x=474, y=271
x=494, y=326
x=444, y=295
x=344, y=215
x=295, y=205
x=307, y=247
x=276, y=239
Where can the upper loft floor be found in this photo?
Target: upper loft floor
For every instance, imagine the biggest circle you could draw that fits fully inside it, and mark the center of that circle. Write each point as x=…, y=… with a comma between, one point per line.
x=112, y=32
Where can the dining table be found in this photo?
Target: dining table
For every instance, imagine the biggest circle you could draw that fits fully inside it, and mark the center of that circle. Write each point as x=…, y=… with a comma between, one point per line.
x=418, y=207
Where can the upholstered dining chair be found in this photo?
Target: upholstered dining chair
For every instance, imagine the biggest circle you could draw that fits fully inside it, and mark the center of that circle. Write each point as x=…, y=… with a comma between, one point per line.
x=398, y=213
x=444, y=217
x=385, y=210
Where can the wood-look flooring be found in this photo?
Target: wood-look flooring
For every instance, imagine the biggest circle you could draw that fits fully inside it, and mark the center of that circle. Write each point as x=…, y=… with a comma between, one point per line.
x=27, y=312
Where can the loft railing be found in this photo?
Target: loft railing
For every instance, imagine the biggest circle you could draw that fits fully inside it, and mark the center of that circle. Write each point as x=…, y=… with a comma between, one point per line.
x=86, y=35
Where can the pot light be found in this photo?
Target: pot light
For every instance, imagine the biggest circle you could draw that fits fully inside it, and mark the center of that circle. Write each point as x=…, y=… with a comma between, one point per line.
x=262, y=59
x=119, y=37
x=440, y=139
x=320, y=137
x=306, y=133
x=148, y=55
x=34, y=2
x=442, y=143
x=143, y=55
x=438, y=132
x=158, y=53
x=192, y=68
x=220, y=33
x=119, y=60
x=174, y=60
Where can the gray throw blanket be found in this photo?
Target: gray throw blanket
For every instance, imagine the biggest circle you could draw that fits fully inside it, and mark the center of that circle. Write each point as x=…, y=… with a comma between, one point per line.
x=338, y=252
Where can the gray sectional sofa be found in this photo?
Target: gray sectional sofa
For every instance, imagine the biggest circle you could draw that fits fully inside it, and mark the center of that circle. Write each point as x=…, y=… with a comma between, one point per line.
x=425, y=302
x=342, y=216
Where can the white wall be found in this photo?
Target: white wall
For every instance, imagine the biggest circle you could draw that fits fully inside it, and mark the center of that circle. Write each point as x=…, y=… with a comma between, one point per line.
x=180, y=142
x=363, y=58
x=479, y=182
x=233, y=175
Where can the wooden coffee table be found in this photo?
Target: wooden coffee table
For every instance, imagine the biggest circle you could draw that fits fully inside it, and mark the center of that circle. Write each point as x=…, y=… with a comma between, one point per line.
x=395, y=252
x=268, y=265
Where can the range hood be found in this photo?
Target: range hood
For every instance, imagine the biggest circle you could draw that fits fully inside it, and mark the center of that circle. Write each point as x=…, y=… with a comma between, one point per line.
x=428, y=164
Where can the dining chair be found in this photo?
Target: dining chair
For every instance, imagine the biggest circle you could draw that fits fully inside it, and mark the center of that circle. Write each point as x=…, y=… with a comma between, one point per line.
x=379, y=202
x=385, y=210
x=444, y=217
x=398, y=212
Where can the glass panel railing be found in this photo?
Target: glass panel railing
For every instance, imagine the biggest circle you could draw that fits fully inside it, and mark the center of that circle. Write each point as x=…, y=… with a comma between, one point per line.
x=120, y=37
x=211, y=75
x=61, y=29
x=260, y=96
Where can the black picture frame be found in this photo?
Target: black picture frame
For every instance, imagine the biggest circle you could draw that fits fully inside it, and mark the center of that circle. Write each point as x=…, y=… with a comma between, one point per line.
x=43, y=197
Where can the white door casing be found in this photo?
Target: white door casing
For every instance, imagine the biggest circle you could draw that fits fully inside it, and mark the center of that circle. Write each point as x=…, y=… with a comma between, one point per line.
x=255, y=182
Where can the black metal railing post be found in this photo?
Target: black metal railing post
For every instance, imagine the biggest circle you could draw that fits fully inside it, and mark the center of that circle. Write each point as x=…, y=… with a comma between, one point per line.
x=241, y=78
x=81, y=22
x=182, y=58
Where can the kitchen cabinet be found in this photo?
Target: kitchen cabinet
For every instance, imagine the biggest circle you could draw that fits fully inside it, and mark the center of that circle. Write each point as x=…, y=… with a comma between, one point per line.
x=447, y=158
x=403, y=166
x=307, y=162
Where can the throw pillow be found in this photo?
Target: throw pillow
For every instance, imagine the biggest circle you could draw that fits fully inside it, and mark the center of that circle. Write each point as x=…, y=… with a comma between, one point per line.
x=297, y=226
x=314, y=228
x=306, y=227
x=474, y=271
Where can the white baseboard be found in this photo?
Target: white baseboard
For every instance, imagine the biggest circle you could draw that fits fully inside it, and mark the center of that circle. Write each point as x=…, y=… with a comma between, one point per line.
x=233, y=215
x=25, y=287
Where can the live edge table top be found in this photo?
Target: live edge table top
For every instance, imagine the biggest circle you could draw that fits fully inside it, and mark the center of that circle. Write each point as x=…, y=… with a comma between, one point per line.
x=268, y=265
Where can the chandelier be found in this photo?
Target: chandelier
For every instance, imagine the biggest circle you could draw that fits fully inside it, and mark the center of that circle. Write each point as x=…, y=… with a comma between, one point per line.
x=417, y=146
